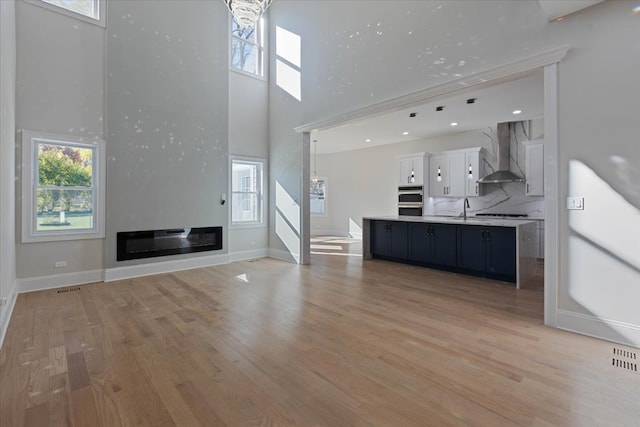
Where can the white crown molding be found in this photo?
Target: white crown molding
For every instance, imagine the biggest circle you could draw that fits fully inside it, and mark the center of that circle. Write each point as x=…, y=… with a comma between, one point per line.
x=490, y=77
x=41, y=283
x=606, y=329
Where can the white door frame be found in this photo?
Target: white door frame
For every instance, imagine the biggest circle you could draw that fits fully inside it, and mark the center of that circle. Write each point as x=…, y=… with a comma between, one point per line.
x=548, y=61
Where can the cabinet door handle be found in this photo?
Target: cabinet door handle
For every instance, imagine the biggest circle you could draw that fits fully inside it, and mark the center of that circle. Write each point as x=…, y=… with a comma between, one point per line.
x=484, y=235
x=527, y=188
x=476, y=189
x=488, y=235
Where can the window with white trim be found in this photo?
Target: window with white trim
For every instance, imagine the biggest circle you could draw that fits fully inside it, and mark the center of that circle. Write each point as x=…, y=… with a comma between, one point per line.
x=62, y=187
x=247, y=48
x=91, y=11
x=318, y=196
x=247, y=188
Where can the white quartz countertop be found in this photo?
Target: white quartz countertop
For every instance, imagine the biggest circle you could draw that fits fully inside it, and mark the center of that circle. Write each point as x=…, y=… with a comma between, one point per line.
x=494, y=222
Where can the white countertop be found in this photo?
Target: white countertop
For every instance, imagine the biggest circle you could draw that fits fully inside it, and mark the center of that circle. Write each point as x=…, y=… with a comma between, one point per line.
x=494, y=222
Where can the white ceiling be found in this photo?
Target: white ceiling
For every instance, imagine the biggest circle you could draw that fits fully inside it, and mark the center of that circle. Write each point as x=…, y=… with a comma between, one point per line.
x=492, y=105
x=555, y=9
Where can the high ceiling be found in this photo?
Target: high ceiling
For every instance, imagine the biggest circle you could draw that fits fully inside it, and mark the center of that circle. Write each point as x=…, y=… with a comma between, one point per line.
x=492, y=105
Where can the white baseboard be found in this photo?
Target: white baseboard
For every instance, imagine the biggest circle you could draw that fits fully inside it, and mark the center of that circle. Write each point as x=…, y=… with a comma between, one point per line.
x=606, y=329
x=40, y=283
x=245, y=255
x=7, y=310
x=281, y=255
x=128, y=272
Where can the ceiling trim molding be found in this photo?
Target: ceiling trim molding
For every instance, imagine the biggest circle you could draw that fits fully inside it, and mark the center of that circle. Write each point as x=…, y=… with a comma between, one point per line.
x=490, y=77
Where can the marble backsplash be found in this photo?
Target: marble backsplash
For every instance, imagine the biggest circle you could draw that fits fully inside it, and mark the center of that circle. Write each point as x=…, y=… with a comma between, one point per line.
x=498, y=198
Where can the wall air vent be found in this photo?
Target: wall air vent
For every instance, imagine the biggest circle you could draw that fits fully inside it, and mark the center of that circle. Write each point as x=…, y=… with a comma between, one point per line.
x=64, y=291
x=625, y=359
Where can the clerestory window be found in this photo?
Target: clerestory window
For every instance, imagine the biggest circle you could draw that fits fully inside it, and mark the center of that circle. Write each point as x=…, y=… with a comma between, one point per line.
x=247, y=48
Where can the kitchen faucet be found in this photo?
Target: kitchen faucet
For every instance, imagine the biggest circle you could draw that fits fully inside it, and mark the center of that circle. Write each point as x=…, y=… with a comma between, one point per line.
x=465, y=205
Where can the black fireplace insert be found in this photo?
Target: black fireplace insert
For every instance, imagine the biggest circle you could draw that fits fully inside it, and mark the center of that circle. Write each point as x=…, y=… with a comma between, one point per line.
x=153, y=243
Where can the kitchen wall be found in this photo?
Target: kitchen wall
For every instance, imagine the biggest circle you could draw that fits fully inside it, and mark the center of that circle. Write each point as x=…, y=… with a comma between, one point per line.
x=499, y=198
x=356, y=54
x=353, y=194
x=7, y=162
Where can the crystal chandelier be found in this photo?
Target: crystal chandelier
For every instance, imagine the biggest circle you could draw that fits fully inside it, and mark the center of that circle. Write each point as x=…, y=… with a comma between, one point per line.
x=247, y=12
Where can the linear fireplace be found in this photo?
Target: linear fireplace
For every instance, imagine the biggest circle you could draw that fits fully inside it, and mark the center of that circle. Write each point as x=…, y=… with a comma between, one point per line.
x=153, y=243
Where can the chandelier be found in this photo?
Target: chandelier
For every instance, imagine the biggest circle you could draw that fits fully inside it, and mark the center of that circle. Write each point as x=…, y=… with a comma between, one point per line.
x=247, y=12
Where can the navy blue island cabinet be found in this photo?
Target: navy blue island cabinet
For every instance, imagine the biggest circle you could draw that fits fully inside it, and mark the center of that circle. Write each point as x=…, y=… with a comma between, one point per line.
x=389, y=239
x=432, y=244
x=487, y=251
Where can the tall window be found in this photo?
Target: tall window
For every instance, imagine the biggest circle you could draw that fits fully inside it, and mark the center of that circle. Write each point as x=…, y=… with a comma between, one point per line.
x=62, y=197
x=247, y=48
x=91, y=11
x=247, y=199
x=318, y=196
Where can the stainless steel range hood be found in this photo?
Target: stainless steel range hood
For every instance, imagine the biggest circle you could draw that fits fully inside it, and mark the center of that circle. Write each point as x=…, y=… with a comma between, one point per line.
x=502, y=174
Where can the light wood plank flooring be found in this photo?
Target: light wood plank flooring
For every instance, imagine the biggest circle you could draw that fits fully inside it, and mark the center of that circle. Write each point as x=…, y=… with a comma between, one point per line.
x=341, y=342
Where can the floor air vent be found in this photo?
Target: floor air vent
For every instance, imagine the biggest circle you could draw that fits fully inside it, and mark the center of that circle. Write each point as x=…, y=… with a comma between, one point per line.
x=62, y=291
x=625, y=359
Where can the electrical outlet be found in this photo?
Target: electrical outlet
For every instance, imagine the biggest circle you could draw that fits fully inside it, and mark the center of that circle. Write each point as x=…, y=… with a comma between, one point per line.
x=575, y=203
x=60, y=264
x=3, y=301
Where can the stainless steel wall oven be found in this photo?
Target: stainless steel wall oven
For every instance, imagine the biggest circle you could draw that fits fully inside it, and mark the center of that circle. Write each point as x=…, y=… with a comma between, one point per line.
x=410, y=200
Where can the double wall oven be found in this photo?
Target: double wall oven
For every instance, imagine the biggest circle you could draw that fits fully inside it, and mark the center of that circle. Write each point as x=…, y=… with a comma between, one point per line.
x=410, y=200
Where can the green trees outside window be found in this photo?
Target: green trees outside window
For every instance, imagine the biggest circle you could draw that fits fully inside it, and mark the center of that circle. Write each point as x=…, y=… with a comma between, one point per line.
x=64, y=190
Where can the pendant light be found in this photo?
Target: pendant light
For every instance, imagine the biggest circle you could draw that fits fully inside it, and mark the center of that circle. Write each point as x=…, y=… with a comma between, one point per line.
x=314, y=178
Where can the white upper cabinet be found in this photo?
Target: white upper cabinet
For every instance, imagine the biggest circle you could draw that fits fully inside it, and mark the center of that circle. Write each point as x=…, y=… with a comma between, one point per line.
x=450, y=173
x=534, y=167
x=474, y=164
x=413, y=168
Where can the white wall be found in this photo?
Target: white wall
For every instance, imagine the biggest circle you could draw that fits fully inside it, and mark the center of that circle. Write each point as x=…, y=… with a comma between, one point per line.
x=7, y=163
x=598, y=160
x=249, y=136
x=167, y=118
x=354, y=194
x=356, y=54
x=60, y=89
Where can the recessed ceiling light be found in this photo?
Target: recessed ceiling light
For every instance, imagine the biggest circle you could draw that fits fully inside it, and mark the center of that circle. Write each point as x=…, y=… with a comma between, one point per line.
x=405, y=133
x=454, y=123
x=517, y=111
x=367, y=140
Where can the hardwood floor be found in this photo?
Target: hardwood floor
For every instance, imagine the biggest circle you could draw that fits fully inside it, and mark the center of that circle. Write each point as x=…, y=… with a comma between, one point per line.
x=341, y=342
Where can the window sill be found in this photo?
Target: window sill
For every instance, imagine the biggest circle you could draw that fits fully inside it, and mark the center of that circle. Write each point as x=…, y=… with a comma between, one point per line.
x=248, y=74
x=247, y=226
x=100, y=22
x=40, y=238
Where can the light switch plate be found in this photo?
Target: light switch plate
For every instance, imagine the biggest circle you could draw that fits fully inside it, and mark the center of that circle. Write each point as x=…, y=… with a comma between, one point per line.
x=575, y=203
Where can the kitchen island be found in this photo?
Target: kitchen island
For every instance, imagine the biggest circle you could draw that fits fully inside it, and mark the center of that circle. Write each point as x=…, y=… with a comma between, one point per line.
x=488, y=247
